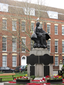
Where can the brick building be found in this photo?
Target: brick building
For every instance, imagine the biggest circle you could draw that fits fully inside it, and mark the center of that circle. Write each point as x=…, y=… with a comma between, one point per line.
x=17, y=23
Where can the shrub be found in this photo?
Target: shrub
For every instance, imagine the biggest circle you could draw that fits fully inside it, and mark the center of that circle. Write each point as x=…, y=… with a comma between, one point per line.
x=32, y=76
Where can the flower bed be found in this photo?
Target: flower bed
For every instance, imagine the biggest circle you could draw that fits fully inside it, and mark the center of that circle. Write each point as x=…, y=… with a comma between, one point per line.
x=42, y=80
x=11, y=82
x=22, y=80
x=38, y=84
x=54, y=79
x=19, y=81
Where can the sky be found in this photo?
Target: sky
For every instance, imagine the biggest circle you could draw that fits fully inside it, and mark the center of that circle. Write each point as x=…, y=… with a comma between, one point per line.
x=52, y=3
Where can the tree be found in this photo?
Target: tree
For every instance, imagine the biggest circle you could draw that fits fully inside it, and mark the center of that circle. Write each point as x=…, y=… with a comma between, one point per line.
x=24, y=12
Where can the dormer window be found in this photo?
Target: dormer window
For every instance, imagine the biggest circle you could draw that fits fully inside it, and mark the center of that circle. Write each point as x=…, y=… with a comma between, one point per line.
x=29, y=11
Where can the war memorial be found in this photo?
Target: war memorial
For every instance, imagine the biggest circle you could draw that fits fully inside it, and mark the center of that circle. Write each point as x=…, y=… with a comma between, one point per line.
x=40, y=63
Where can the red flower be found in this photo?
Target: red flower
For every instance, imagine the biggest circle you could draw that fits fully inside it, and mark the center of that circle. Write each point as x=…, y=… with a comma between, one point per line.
x=17, y=77
x=43, y=79
x=20, y=76
x=47, y=76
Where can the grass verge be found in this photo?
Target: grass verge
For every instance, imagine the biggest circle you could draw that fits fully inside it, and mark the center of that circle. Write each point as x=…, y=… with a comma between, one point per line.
x=4, y=78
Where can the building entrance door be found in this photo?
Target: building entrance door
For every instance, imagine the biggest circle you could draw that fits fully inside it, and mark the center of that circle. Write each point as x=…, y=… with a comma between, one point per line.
x=23, y=60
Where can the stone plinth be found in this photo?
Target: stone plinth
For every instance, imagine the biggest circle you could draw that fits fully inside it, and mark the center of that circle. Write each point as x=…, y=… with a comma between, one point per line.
x=38, y=61
x=39, y=51
x=39, y=70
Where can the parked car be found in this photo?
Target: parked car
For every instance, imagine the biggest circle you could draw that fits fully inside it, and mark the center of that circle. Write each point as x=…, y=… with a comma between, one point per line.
x=6, y=69
x=21, y=68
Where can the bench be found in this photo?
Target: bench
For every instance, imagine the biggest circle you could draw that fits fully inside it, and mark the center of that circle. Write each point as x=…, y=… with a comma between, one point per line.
x=7, y=75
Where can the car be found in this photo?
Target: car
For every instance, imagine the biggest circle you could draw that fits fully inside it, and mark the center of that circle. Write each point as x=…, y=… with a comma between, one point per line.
x=6, y=69
x=17, y=69
x=21, y=68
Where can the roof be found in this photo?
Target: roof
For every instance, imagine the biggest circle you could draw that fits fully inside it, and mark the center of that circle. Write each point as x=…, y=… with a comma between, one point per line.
x=17, y=7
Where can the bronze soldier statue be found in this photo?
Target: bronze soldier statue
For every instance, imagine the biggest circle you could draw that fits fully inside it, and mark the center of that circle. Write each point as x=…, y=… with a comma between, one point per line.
x=39, y=37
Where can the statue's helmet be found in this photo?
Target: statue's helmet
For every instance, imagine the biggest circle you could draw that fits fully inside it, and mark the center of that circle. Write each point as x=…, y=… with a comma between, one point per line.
x=37, y=24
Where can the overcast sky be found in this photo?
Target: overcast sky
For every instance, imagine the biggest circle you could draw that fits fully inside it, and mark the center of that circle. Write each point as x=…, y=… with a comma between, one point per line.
x=53, y=3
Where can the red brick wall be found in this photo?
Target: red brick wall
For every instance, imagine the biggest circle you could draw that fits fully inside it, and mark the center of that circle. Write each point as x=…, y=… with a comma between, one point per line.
x=9, y=42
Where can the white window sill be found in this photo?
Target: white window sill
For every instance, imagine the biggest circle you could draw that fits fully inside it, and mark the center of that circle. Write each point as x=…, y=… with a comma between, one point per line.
x=14, y=51
x=14, y=66
x=56, y=52
x=23, y=51
x=4, y=51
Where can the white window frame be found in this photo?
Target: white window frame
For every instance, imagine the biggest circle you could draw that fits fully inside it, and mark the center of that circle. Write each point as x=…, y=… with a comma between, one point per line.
x=49, y=44
x=29, y=11
x=4, y=60
x=4, y=7
x=56, y=45
x=25, y=44
x=56, y=60
x=56, y=29
x=14, y=44
x=32, y=11
x=62, y=46
x=62, y=29
x=32, y=26
x=48, y=28
x=24, y=25
x=14, y=22
x=4, y=43
x=4, y=27
x=14, y=60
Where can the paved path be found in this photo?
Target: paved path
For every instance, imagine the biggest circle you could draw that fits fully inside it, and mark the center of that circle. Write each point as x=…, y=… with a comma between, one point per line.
x=2, y=83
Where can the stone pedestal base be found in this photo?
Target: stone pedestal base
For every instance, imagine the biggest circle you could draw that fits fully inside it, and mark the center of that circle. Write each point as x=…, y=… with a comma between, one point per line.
x=39, y=51
x=38, y=68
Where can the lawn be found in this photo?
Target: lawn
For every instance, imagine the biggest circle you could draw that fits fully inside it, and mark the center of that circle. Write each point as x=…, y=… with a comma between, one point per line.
x=16, y=75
